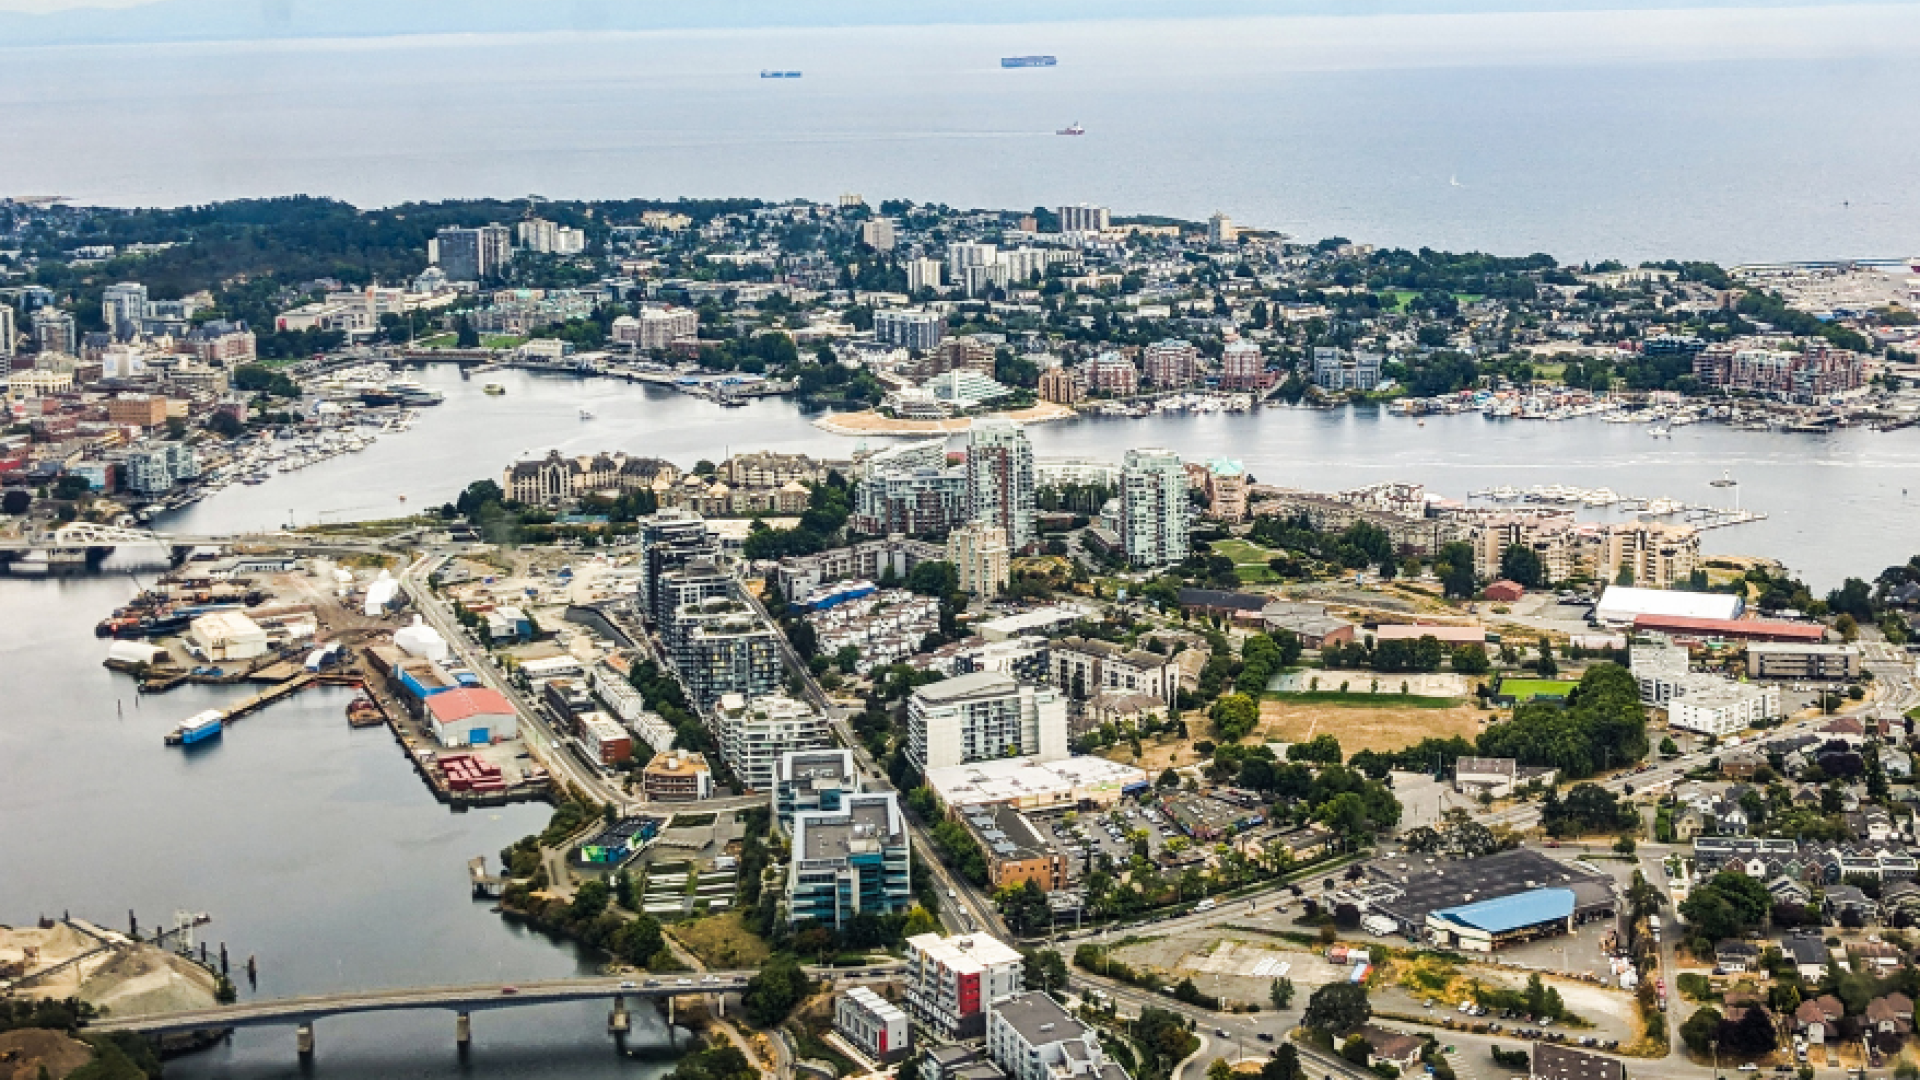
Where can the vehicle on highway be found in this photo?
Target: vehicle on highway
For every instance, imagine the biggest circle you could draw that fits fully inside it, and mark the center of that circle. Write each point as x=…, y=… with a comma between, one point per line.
x=509, y=989
x=629, y=985
x=1263, y=1036
x=683, y=982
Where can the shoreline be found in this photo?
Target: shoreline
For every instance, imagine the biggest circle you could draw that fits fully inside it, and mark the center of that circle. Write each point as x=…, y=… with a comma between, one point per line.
x=869, y=422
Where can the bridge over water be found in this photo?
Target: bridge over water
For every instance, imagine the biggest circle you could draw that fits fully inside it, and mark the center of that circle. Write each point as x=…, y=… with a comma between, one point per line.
x=302, y=1012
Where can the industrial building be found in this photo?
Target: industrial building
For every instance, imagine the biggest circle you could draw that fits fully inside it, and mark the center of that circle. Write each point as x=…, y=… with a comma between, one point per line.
x=468, y=716
x=226, y=636
x=1620, y=605
x=1457, y=886
x=1486, y=925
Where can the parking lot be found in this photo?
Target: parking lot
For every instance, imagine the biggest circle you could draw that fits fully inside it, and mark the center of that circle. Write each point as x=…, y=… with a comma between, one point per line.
x=1082, y=835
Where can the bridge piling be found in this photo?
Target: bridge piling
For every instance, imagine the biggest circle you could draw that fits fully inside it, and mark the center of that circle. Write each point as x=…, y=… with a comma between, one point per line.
x=303, y=1040
x=463, y=1030
x=618, y=1022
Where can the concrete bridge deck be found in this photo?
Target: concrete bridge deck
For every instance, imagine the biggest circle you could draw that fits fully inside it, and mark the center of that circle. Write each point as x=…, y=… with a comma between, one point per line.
x=463, y=999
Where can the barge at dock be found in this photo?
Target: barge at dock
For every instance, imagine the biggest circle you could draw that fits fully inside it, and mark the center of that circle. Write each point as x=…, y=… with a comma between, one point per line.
x=198, y=728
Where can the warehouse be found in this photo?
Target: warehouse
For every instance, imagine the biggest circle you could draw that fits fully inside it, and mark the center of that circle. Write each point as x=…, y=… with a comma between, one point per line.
x=1030, y=785
x=226, y=635
x=1688, y=628
x=471, y=717
x=1410, y=896
x=1486, y=925
x=1621, y=605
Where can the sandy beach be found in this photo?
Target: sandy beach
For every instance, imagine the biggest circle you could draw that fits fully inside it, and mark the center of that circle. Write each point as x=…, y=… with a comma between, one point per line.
x=872, y=423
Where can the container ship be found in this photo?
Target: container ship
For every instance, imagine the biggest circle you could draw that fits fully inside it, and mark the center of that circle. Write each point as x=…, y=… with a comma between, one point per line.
x=1027, y=61
x=197, y=728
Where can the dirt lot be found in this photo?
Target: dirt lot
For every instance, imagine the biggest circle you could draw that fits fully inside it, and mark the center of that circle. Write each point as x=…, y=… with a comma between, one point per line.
x=1365, y=727
x=24, y=1054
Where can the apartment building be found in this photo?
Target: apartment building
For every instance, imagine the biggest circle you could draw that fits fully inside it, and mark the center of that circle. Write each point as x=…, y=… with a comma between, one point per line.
x=808, y=780
x=984, y=716
x=1085, y=667
x=952, y=981
x=875, y=1026
x=851, y=861
x=1000, y=481
x=655, y=327
x=1243, y=367
x=1111, y=373
x=1153, y=508
x=677, y=776
x=721, y=647
x=472, y=254
x=1170, y=364
x=910, y=328
x=980, y=554
x=753, y=733
x=1031, y=1037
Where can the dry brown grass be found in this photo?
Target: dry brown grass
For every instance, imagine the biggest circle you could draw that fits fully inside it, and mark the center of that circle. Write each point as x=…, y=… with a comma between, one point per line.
x=721, y=941
x=1365, y=727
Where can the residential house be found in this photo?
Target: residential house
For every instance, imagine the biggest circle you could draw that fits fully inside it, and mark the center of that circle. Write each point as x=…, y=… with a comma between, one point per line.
x=1398, y=1049
x=1736, y=956
x=1818, y=1018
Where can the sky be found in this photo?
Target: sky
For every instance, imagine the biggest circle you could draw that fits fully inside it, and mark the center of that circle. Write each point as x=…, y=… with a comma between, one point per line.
x=41, y=7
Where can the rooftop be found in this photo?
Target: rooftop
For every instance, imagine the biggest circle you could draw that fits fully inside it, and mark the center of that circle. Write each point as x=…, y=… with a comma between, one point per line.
x=965, y=952
x=977, y=684
x=1038, y=1018
x=1026, y=782
x=465, y=703
x=1512, y=912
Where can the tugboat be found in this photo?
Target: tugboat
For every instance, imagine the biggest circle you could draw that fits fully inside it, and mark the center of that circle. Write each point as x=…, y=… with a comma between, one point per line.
x=493, y=389
x=1072, y=129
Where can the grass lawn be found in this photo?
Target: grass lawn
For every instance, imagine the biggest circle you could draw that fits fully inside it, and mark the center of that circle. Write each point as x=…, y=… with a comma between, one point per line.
x=722, y=941
x=1249, y=560
x=1522, y=689
x=501, y=341
x=437, y=341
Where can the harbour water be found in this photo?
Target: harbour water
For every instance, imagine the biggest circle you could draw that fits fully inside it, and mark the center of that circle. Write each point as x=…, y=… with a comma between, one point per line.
x=313, y=846
x=1837, y=502
x=1587, y=135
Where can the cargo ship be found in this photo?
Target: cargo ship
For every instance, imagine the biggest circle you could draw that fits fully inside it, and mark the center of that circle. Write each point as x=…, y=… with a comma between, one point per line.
x=779, y=74
x=197, y=728
x=1027, y=61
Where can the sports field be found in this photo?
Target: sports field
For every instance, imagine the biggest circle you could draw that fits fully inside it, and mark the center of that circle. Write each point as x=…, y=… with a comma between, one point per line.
x=1522, y=689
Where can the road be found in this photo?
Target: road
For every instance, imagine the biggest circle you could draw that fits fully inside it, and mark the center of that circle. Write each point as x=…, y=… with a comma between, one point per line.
x=301, y=1010
x=546, y=747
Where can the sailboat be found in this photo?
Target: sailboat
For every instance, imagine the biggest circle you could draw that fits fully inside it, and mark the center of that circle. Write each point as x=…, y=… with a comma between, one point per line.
x=586, y=413
x=1726, y=479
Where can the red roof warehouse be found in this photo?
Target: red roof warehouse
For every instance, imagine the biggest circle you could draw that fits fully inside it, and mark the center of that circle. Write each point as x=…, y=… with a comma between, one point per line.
x=1681, y=626
x=469, y=716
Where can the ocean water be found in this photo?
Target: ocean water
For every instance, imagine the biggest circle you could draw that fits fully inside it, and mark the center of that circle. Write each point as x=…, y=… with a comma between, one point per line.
x=1730, y=134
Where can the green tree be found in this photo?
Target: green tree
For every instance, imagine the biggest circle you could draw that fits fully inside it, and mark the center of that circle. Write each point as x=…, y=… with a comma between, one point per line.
x=1521, y=564
x=1454, y=566
x=1337, y=1007
x=1045, y=970
x=1281, y=993
x=772, y=994
x=1234, y=715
